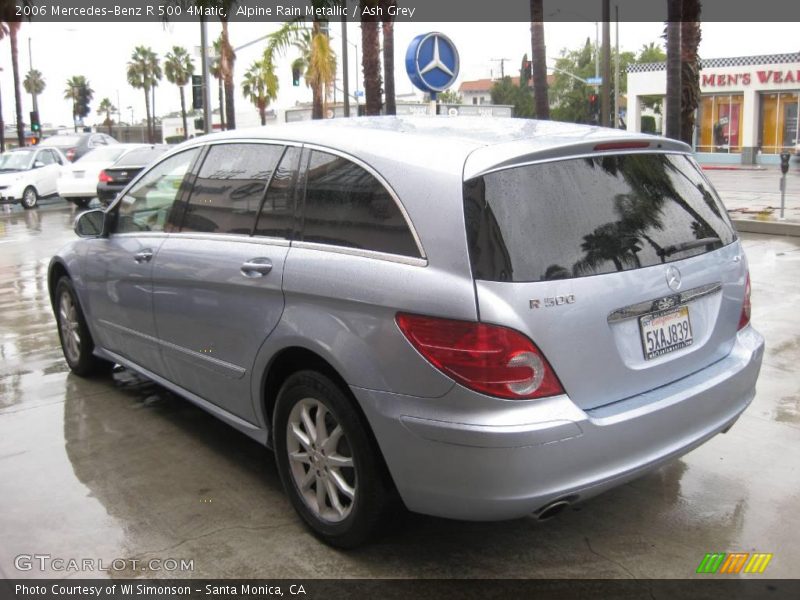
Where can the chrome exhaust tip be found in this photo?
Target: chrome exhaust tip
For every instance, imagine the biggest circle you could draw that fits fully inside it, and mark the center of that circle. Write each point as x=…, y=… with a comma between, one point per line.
x=551, y=510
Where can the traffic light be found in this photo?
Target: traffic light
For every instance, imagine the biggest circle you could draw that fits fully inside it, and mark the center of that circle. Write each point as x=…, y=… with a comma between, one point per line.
x=295, y=76
x=594, y=107
x=36, y=127
x=197, y=92
x=83, y=101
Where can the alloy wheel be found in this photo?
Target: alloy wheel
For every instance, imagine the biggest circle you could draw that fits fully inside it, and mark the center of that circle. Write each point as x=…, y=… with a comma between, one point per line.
x=68, y=322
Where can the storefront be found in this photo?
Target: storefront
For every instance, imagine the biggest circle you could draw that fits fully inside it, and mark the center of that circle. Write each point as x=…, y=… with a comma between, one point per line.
x=748, y=110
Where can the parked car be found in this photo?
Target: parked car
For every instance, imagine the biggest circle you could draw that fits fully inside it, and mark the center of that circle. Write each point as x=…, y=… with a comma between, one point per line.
x=73, y=146
x=78, y=181
x=489, y=317
x=114, y=178
x=27, y=174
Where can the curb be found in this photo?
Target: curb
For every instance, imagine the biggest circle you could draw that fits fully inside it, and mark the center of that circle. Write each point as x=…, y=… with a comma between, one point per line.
x=767, y=227
x=732, y=168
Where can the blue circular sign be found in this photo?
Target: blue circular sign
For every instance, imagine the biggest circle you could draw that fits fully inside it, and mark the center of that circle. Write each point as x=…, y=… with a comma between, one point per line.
x=432, y=62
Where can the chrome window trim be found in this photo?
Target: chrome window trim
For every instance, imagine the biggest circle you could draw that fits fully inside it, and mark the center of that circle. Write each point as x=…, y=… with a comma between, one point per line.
x=231, y=237
x=639, y=309
x=374, y=254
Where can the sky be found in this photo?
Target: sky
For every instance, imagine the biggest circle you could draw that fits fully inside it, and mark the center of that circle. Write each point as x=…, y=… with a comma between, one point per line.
x=100, y=52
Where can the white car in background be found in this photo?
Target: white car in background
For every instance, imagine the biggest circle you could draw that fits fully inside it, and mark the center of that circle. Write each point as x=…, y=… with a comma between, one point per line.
x=27, y=174
x=78, y=180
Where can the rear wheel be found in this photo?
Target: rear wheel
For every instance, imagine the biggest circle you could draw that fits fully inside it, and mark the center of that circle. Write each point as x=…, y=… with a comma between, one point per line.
x=29, y=198
x=76, y=341
x=330, y=468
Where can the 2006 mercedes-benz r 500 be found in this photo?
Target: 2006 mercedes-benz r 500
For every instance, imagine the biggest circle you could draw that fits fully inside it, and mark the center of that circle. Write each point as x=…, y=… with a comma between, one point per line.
x=483, y=318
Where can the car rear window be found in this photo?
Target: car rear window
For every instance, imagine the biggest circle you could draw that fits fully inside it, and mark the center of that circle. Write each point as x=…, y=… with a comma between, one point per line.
x=61, y=140
x=140, y=157
x=588, y=216
x=106, y=154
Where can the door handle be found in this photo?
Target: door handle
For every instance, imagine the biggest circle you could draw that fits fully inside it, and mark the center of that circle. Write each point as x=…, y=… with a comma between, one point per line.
x=143, y=256
x=256, y=267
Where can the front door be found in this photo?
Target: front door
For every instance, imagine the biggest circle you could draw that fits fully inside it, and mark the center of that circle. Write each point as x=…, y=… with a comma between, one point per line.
x=118, y=269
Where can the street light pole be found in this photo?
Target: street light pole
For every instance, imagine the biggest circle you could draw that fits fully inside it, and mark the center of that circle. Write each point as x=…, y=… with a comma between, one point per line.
x=605, y=94
x=345, y=69
x=204, y=67
x=2, y=124
x=30, y=62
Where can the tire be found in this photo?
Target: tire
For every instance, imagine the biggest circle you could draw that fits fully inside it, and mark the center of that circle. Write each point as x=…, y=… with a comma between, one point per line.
x=350, y=462
x=76, y=341
x=29, y=198
x=81, y=202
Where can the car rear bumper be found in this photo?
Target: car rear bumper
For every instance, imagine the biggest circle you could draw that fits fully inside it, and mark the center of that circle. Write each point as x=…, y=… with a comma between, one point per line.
x=470, y=457
x=77, y=188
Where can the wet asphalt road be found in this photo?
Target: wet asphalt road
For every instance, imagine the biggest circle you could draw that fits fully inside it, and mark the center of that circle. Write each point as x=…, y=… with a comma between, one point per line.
x=116, y=467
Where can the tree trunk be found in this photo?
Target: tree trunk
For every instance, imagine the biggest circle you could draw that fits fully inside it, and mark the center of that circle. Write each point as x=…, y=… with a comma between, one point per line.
x=690, y=67
x=226, y=66
x=147, y=113
x=538, y=60
x=221, y=104
x=390, y=107
x=262, y=112
x=316, y=86
x=673, y=99
x=370, y=60
x=108, y=118
x=13, y=29
x=183, y=114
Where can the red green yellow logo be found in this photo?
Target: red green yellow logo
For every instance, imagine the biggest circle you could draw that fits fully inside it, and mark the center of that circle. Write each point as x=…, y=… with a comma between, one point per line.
x=733, y=563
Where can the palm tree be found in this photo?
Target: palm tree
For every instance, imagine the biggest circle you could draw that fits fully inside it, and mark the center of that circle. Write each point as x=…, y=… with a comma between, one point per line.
x=73, y=84
x=370, y=58
x=144, y=72
x=690, y=66
x=388, y=58
x=34, y=84
x=179, y=68
x=538, y=58
x=260, y=86
x=11, y=28
x=227, y=59
x=673, y=99
x=317, y=58
x=108, y=108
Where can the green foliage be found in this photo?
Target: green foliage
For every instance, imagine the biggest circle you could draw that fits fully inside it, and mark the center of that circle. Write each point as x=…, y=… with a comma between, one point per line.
x=34, y=82
x=72, y=92
x=651, y=53
x=450, y=97
x=505, y=91
x=648, y=124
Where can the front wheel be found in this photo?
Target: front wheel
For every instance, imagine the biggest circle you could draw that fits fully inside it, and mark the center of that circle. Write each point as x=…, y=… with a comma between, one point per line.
x=29, y=198
x=76, y=341
x=331, y=470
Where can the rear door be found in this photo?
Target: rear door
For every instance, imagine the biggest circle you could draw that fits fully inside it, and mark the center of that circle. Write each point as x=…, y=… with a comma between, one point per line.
x=217, y=283
x=624, y=269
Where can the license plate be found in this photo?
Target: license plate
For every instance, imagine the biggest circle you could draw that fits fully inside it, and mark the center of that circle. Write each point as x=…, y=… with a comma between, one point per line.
x=665, y=331
x=78, y=174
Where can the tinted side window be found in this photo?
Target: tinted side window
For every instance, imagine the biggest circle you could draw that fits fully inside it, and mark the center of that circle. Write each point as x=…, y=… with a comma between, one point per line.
x=346, y=206
x=148, y=205
x=277, y=212
x=229, y=188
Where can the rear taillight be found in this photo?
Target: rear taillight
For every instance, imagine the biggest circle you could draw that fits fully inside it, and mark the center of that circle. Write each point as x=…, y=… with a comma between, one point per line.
x=489, y=359
x=71, y=154
x=105, y=177
x=744, y=318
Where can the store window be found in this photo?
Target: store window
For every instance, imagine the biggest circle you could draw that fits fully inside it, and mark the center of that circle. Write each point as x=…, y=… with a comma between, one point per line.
x=779, y=122
x=720, y=119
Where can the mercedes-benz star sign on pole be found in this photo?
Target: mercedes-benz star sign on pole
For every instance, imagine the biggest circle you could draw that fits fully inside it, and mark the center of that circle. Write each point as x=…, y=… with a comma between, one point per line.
x=432, y=62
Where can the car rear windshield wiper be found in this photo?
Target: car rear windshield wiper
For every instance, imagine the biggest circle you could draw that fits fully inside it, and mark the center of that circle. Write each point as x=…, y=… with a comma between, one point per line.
x=670, y=250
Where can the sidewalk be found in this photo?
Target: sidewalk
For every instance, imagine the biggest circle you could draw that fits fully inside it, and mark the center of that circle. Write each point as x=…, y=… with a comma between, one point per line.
x=753, y=197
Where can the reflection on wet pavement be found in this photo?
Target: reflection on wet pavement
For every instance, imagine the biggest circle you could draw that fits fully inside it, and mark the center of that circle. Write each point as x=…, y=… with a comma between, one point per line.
x=117, y=467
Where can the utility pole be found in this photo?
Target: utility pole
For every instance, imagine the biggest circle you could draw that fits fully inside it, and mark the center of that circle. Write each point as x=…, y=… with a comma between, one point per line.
x=605, y=88
x=30, y=62
x=345, y=65
x=615, y=121
x=204, y=68
x=596, y=49
x=502, y=62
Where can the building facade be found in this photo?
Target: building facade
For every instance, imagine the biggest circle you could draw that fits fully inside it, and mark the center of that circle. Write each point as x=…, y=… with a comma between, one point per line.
x=748, y=111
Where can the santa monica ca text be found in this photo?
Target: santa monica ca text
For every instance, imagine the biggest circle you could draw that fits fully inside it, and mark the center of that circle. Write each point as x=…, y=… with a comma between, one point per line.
x=142, y=589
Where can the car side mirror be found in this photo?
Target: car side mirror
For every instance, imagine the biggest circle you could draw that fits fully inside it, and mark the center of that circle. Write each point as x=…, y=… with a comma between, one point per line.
x=38, y=164
x=91, y=224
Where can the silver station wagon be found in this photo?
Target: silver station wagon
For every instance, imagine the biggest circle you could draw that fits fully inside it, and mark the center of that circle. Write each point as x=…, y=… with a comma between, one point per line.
x=482, y=318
